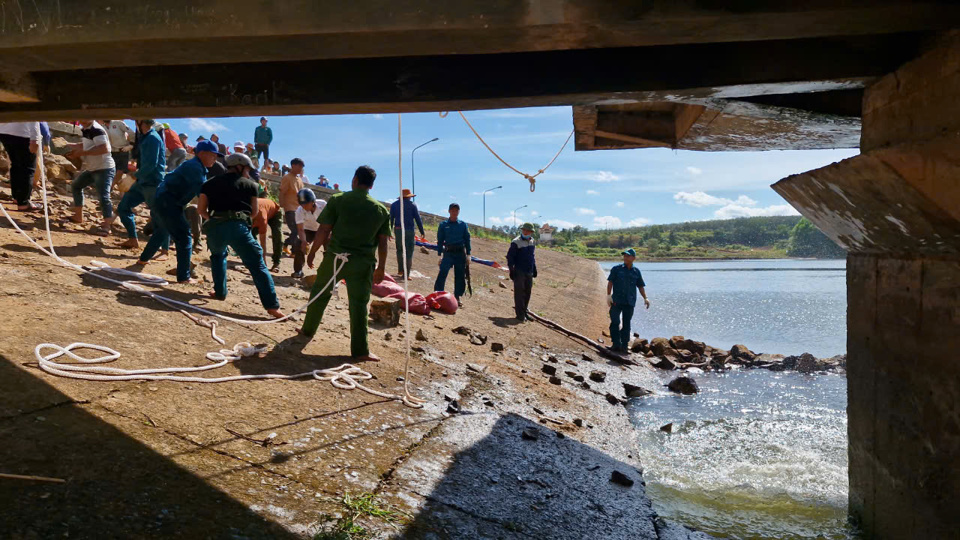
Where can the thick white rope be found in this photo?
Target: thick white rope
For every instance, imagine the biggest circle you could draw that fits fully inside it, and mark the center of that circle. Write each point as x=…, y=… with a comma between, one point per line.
x=344, y=377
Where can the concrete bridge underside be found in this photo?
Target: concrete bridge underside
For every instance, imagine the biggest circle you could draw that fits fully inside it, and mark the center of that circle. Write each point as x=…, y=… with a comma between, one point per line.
x=698, y=74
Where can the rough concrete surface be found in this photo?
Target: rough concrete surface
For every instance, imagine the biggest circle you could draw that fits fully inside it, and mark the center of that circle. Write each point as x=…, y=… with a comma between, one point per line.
x=160, y=459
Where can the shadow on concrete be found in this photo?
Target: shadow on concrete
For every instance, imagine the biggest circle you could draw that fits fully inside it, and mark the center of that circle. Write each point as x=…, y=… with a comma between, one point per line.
x=116, y=487
x=523, y=480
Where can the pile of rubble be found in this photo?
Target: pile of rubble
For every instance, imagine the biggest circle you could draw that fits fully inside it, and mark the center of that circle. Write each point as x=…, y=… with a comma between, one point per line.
x=681, y=353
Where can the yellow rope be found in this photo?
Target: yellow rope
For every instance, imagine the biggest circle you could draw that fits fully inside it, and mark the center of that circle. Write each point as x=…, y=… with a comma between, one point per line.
x=532, y=178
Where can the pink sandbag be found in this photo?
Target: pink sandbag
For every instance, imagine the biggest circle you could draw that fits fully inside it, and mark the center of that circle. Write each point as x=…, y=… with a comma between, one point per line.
x=443, y=301
x=387, y=287
x=418, y=304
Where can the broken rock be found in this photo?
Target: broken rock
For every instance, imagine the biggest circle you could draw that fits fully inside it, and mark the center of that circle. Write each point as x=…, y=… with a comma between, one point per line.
x=385, y=311
x=598, y=376
x=619, y=478
x=496, y=347
x=683, y=385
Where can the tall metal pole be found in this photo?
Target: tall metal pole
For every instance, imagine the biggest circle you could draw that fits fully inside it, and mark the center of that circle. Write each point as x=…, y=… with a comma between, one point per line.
x=413, y=168
x=515, y=215
x=485, y=204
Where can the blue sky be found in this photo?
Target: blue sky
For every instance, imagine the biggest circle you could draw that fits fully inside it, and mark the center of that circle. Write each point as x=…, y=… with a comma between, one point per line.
x=596, y=189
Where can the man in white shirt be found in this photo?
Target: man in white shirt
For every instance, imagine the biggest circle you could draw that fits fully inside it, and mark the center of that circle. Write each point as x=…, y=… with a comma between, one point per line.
x=21, y=140
x=98, y=170
x=307, y=226
x=121, y=142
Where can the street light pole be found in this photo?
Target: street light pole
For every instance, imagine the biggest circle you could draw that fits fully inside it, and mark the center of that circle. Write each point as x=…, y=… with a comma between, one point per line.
x=515, y=215
x=485, y=204
x=413, y=165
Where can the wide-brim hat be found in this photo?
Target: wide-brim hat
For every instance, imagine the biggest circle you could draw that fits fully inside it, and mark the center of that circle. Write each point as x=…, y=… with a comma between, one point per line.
x=407, y=194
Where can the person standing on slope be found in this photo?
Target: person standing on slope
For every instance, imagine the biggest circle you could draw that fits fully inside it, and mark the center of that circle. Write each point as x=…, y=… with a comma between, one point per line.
x=622, y=286
x=522, y=263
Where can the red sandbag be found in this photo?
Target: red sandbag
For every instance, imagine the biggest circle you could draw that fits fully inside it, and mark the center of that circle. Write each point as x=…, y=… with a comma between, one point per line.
x=443, y=301
x=418, y=304
x=387, y=287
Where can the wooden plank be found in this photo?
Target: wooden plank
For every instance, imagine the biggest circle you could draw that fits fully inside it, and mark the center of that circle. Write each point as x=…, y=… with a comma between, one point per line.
x=686, y=116
x=631, y=139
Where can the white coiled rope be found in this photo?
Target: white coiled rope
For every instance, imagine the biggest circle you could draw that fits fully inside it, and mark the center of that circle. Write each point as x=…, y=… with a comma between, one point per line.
x=344, y=377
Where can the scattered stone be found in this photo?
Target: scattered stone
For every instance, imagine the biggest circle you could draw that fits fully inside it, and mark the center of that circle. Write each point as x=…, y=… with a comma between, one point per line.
x=683, y=385
x=561, y=435
x=553, y=358
x=571, y=363
x=587, y=358
x=635, y=391
x=639, y=346
x=421, y=336
x=476, y=368
x=385, y=311
x=807, y=363
x=578, y=422
x=667, y=428
x=388, y=336
x=462, y=330
x=662, y=362
x=496, y=347
x=742, y=353
x=618, y=477
x=549, y=370
x=598, y=376
x=578, y=378
x=605, y=333
x=503, y=285
x=570, y=374
x=585, y=385
x=659, y=346
x=614, y=400
x=478, y=339
x=400, y=379
x=453, y=407
x=424, y=250
x=555, y=380
x=538, y=411
x=449, y=397
x=530, y=434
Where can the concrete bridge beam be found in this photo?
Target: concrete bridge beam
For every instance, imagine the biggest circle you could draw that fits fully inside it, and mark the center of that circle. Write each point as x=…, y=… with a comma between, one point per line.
x=896, y=207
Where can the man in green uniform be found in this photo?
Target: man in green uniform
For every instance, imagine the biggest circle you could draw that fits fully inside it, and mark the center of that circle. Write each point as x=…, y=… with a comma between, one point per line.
x=360, y=227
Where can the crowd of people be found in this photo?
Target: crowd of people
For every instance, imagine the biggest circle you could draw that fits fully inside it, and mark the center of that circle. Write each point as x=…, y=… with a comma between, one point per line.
x=207, y=190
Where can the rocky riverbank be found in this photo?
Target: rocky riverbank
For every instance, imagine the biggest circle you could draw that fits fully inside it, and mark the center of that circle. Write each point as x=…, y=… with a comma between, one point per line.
x=679, y=352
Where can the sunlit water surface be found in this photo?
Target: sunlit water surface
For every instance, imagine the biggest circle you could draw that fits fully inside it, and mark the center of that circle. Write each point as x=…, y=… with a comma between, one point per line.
x=756, y=454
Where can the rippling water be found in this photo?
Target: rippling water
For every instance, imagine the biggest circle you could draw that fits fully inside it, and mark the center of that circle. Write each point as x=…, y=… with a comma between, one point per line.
x=756, y=454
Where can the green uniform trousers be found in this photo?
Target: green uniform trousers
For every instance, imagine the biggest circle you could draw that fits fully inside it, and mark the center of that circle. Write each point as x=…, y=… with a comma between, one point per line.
x=359, y=276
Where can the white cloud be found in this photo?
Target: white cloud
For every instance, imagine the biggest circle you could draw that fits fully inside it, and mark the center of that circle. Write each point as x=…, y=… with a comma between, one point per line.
x=621, y=204
x=607, y=222
x=736, y=210
x=585, y=211
x=205, y=125
x=592, y=192
x=563, y=224
x=534, y=213
x=489, y=193
x=497, y=221
x=605, y=176
x=700, y=199
x=695, y=171
x=378, y=117
x=638, y=222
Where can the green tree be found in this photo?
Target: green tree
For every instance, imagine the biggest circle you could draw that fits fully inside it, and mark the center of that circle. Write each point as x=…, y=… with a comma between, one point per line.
x=806, y=240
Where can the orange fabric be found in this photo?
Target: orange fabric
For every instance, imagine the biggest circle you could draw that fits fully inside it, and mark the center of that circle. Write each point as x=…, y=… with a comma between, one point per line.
x=171, y=139
x=266, y=209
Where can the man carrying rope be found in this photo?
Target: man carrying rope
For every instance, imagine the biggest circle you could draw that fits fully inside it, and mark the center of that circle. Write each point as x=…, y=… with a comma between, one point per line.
x=360, y=226
x=149, y=174
x=453, y=246
x=228, y=202
x=175, y=192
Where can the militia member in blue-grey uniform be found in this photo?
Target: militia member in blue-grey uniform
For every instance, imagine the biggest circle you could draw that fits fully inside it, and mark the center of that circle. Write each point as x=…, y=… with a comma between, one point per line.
x=622, y=286
x=453, y=246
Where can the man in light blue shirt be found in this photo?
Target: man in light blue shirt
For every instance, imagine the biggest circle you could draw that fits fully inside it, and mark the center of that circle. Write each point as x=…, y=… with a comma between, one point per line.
x=622, y=286
x=453, y=246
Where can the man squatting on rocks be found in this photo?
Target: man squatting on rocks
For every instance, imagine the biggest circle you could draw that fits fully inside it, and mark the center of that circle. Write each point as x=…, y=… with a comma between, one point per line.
x=411, y=215
x=149, y=174
x=622, y=286
x=453, y=247
x=307, y=219
x=522, y=263
x=174, y=193
x=229, y=204
x=360, y=226
x=290, y=186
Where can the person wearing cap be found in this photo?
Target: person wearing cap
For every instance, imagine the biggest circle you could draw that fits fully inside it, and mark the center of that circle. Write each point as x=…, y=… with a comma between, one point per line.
x=453, y=246
x=269, y=216
x=229, y=204
x=405, y=243
x=174, y=193
x=262, y=137
x=149, y=173
x=290, y=186
x=251, y=153
x=177, y=153
x=360, y=227
x=522, y=263
x=306, y=217
x=622, y=285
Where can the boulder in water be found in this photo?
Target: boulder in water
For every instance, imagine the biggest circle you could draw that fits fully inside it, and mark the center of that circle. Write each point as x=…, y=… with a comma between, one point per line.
x=807, y=363
x=659, y=346
x=635, y=391
x=662, y=362
x=742, y=353
x=639, y=346
x=684, y=385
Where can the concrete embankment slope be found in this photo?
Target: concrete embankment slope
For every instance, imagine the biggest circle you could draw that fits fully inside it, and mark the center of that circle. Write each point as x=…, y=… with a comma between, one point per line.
x=199, y=460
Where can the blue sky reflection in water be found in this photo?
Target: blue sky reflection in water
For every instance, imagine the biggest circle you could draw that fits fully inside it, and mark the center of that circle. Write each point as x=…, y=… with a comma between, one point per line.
x=757, y=454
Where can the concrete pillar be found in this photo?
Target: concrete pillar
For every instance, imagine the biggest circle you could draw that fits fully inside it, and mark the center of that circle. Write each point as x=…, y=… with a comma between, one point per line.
x=896, y=208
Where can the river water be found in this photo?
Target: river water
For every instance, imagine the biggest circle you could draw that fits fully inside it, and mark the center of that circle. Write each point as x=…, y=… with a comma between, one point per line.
x=756, y=454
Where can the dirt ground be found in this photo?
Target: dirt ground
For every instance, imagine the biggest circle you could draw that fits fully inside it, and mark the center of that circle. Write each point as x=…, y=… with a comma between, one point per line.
x=158, y=459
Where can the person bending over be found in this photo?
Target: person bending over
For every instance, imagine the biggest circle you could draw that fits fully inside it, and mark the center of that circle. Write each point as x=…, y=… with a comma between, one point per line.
x=306, y=218
x=269, y=216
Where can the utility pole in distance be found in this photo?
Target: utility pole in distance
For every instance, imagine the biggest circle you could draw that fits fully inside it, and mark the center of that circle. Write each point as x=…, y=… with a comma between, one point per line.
x=413, y=165
x=485, y=204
